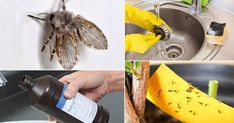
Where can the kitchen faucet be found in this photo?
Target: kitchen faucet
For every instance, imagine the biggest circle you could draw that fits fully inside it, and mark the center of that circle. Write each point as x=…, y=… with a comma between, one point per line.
x=196, y=6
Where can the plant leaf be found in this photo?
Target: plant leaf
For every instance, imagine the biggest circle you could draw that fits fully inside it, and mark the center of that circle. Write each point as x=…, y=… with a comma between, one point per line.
x=128, y=66
x=137, y=64
x=128, y=70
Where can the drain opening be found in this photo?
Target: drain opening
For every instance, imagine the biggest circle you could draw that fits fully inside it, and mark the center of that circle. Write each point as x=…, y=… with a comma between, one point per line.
x=173, y=51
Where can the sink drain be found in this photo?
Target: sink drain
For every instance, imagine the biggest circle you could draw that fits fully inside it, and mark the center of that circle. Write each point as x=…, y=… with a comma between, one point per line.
x=173, y=51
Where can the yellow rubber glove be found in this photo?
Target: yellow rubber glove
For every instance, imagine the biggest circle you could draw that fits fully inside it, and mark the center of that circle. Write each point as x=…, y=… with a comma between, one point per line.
x=142, y=18
x=140, y=43
x=183, y=101
x=146, y=20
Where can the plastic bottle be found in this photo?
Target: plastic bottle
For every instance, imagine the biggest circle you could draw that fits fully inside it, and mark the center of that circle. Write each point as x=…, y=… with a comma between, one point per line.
x=47, y=95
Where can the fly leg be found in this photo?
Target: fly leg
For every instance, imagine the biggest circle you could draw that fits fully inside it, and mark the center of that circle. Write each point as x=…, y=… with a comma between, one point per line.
x=49, y=39
x=40, y=19
x=52, y=53
x=37, y=18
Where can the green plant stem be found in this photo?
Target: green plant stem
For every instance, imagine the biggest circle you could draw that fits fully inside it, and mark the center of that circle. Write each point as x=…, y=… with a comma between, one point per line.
x=213, y=88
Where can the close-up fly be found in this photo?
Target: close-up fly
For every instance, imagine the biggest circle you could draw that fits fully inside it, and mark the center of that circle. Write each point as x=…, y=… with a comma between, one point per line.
x=68, y=31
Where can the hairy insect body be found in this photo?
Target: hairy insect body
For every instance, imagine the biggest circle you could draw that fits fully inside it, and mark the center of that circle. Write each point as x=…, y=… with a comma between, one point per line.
x=63, y=22
x=70, y=31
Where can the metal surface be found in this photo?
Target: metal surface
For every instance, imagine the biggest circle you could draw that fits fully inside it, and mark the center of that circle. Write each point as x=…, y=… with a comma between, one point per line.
x=173, y=52
x=163, y=31
x=200, y=74
x=196, y=6
x=216, y=10
x=187, y=32
x=223, y=10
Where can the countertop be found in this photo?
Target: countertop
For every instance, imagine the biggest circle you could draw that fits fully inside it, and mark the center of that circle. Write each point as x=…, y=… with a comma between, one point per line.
x=223, y=12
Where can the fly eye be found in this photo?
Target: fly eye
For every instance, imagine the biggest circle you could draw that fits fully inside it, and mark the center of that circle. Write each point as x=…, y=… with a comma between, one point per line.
x=68, y=20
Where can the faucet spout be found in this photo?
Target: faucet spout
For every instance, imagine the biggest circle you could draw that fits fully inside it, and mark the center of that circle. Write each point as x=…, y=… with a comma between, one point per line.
x=158, y=5
x=197, y=6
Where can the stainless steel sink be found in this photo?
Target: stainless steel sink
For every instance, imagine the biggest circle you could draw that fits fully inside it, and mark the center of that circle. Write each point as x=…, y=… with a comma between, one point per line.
x=188, y=36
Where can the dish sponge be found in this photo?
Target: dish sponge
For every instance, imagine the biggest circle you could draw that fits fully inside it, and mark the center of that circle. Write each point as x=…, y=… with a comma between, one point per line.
x=217, y=33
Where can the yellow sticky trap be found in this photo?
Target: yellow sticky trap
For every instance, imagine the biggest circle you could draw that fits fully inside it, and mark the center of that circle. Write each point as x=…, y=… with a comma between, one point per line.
x=183, y=101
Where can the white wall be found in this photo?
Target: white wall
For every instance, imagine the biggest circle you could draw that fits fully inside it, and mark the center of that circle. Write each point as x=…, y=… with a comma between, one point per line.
x=21, y=37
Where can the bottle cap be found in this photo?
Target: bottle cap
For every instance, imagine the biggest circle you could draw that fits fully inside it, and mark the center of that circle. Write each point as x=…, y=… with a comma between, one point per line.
x=26, y=83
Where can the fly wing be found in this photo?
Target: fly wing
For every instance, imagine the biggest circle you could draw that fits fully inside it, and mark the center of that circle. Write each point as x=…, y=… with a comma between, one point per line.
x=90, y=34
x=67, y=49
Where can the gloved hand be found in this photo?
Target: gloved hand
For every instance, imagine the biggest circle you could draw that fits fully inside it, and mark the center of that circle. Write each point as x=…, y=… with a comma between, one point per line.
x=140, y=43
x=146, y=20
x=142, y=18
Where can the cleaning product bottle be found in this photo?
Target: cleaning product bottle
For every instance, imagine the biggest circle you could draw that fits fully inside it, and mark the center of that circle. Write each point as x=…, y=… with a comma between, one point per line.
x=47, y=95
